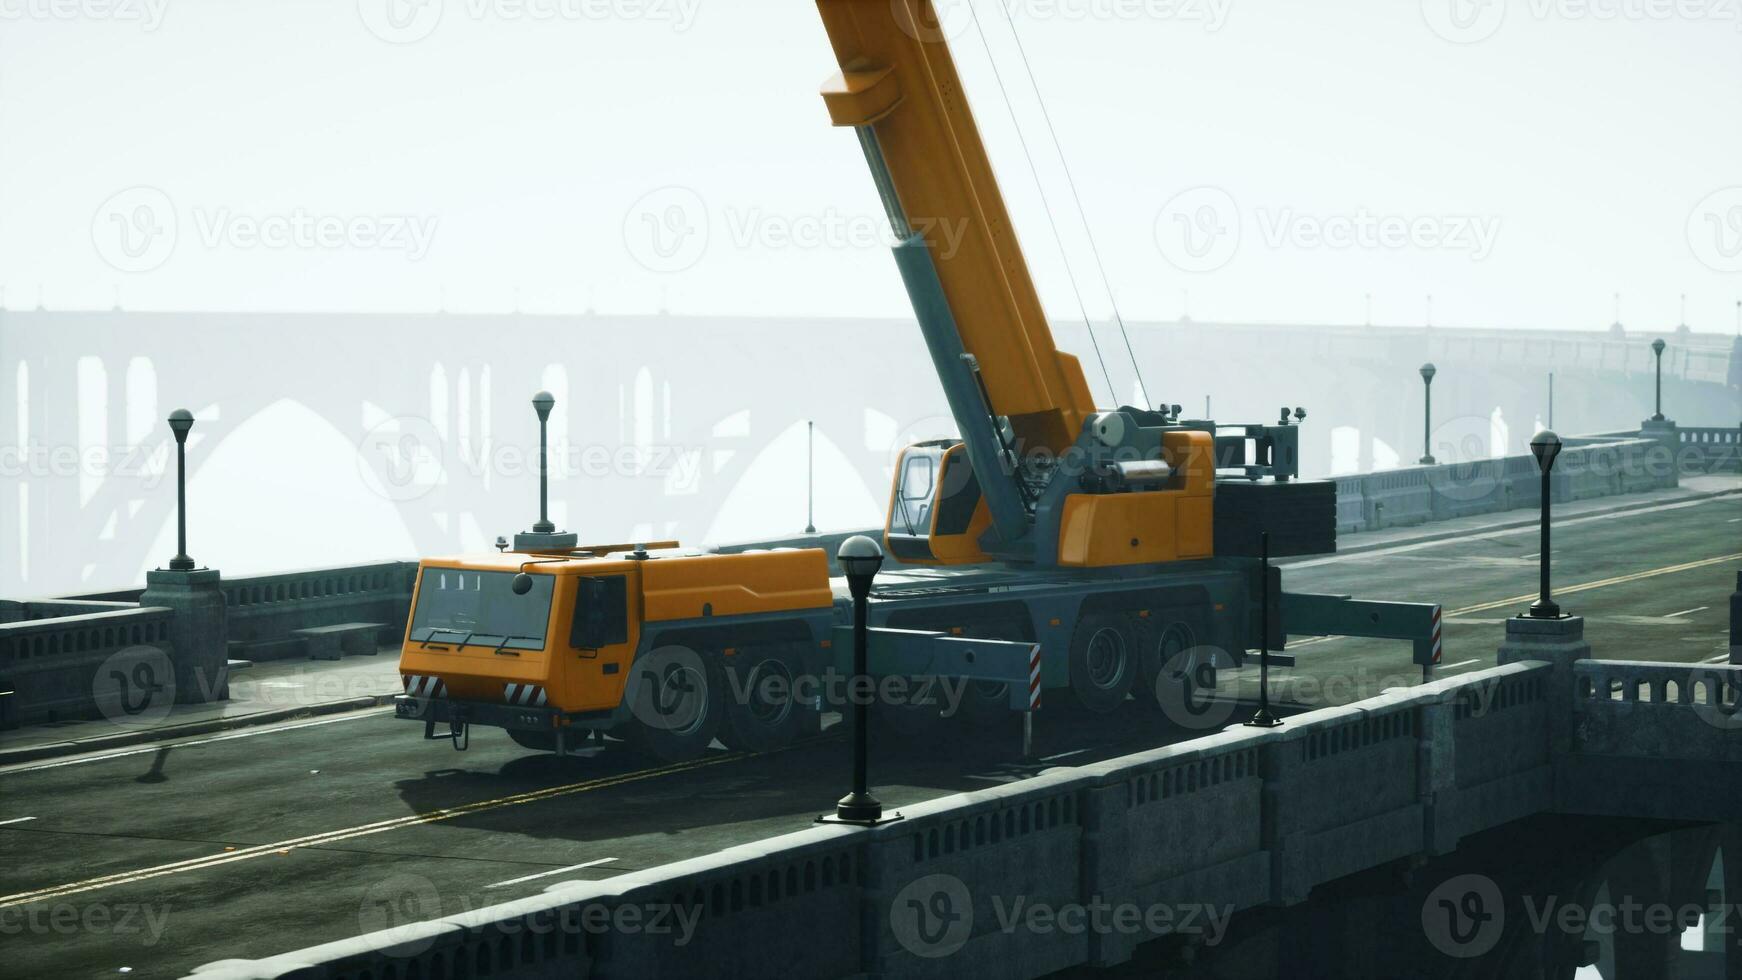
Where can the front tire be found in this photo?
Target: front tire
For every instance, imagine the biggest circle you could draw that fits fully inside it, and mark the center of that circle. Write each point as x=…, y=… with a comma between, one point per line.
x=676, y=706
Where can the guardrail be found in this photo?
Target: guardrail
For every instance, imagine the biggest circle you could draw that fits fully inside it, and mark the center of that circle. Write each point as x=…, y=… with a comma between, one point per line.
x=262, y=610
x=51, y=664
x=1588, y=467
x=1335, y=791
x=1709, y=449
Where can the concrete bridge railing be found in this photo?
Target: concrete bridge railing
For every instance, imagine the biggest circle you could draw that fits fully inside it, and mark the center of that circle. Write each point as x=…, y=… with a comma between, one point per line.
x=1709, y=449
x=262, y=610
x=52, y=665
x=1589, y=467
x=1239, y=819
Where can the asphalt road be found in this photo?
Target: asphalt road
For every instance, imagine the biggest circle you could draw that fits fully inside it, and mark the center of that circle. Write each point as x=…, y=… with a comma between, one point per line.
x=155, y=860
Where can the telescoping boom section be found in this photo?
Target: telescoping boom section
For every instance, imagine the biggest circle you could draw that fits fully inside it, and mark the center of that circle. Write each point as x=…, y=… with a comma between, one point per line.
x=1038, y=475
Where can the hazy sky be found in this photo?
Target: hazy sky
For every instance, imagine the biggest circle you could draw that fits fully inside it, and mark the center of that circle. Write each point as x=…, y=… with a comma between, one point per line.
x=1520, y=161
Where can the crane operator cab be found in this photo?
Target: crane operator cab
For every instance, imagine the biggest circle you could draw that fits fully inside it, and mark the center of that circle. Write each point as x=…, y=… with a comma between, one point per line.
x=936, y=511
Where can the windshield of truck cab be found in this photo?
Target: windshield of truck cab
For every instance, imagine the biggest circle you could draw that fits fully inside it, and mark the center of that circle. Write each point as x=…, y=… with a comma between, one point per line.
x=459, y=606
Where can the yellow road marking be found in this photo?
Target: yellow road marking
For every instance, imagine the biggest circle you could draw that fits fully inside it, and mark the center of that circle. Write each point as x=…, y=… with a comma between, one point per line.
x=1601, y=583
x=330, y=837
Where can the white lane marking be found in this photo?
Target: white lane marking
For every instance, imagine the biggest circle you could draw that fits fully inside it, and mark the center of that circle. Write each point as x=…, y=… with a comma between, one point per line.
x=547, y=874
x=1503, y=532
x=1063, y=755
x=159, y=746
x=16, y=820
x=1720, y=658
x=1461, y=663
x=1688, y=612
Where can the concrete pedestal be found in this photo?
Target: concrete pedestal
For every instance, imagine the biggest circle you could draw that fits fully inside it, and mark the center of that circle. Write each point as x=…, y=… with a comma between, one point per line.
x=1666, y=456
x=1560, y=642
x=200, y=653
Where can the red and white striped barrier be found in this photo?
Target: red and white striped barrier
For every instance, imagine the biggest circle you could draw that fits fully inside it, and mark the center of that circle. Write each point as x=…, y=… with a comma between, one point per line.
x=1034, y=677
x=1436, y=635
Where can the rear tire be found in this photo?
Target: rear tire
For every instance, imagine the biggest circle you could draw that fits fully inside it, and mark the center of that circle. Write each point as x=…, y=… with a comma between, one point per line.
x=1103, y=661
x=1180, y=679
x=677, y=704
x=762, y=711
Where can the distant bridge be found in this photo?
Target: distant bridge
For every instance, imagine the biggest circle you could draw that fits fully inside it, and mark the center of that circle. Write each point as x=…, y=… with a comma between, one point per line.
x=411, y=433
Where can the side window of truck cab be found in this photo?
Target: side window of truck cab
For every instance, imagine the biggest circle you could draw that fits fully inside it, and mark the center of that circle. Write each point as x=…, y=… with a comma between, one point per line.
x=601, y=612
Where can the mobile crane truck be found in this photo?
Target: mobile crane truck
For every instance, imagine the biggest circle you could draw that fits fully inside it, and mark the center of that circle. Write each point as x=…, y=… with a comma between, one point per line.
x=1053, y=546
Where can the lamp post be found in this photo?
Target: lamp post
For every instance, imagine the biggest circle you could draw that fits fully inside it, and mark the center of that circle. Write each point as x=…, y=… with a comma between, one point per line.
x=1264, y=718
x=1427, y=387
x=180, y=421
x=1657, y=349
x=860, y=557
x=1545, y=446
x=542, y=403
x=810, y=477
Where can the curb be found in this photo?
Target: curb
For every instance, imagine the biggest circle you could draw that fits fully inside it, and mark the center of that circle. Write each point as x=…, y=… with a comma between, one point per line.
x=1531, y=521
x=55, y=750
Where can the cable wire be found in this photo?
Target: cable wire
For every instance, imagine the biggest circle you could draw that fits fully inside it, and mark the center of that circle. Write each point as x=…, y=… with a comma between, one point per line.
x=1071, y=181
x=1045, y=204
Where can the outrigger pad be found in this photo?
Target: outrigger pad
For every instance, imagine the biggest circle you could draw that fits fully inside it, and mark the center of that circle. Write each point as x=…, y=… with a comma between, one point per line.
x=1301, y=516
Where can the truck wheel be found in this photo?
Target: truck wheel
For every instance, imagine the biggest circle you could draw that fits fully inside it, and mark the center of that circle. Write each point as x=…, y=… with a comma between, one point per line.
x=1181, y=680
x=1103, y=662
x=677, y=704
x=761, y=695
x=1172, y=666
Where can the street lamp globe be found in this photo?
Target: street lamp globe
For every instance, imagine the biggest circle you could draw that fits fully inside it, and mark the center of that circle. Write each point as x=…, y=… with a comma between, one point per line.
x=542, y=403
x=860, y=558
x=1427, y=372
x=1545, y=446
x=180, y=421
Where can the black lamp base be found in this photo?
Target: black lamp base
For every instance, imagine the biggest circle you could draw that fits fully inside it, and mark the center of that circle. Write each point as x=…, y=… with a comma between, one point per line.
x=1544, y=609
x=182, y=563
x=859, y=809
x=1264, y=719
